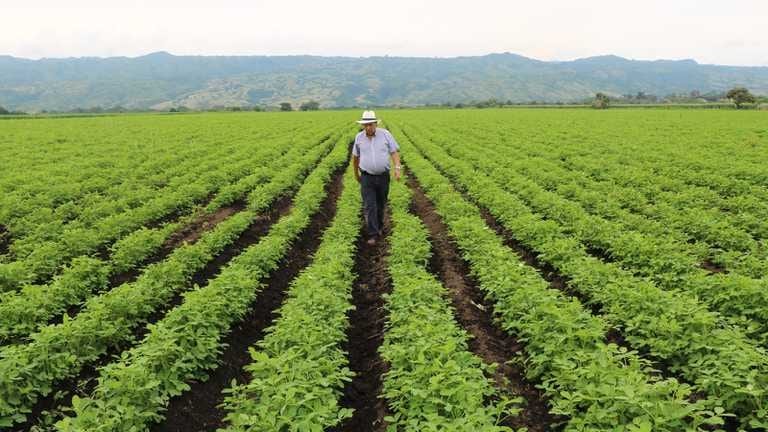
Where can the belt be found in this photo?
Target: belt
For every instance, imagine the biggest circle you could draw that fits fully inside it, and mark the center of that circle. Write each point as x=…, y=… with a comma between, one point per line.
x=370, y=174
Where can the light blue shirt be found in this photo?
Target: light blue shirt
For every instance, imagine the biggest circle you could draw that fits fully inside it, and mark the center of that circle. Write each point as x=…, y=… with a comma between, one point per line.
x=374, y=151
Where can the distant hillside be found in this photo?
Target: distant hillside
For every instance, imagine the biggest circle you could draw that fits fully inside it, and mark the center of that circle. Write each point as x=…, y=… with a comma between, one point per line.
x=161, y=80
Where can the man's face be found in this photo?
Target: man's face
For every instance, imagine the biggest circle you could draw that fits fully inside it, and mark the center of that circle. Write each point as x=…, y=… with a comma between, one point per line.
x=370, y=129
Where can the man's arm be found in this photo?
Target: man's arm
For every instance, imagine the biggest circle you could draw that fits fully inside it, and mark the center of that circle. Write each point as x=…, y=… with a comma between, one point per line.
x=356, y=167
x=356, y=160
x=396, y=161
x=394, y=153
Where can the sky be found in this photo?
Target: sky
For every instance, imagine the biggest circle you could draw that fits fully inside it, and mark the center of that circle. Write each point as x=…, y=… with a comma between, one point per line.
x=709, y=31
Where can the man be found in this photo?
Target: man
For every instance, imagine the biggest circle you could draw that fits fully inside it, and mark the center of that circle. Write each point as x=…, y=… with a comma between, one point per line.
x=371, y=152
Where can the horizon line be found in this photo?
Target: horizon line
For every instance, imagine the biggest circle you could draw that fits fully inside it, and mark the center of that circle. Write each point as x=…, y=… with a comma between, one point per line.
x=165, y=52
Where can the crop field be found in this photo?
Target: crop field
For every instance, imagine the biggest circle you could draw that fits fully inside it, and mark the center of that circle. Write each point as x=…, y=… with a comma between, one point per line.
x=540, y=270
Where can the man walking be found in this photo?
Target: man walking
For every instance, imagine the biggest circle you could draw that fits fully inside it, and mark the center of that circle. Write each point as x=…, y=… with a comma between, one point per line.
x=370, y=158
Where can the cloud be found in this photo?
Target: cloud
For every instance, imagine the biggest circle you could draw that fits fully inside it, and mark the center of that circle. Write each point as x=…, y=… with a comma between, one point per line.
x=709, y=31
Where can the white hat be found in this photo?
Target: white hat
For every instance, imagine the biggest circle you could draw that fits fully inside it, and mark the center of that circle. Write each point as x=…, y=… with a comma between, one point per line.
x=368, y=117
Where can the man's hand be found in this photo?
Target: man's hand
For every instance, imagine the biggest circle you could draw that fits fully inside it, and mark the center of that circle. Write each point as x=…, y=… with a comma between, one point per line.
x=356, y=167
x=396, y=159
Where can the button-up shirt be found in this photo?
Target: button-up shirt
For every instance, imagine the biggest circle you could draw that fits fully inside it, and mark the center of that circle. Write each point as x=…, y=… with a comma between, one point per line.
x=374, y=151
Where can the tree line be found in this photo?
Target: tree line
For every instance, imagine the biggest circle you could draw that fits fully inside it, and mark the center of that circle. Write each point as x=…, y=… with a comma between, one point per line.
x=740, y=97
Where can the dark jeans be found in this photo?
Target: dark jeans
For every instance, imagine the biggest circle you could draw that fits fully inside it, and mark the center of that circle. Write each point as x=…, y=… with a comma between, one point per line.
x=374, y=189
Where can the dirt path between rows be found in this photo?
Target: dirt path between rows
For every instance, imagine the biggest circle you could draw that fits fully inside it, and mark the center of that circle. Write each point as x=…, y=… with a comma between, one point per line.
x=84, y=383
x=475, y=315
x=198, y=408
x=190, y=234
x=203, y=222
x=5, y=240
x=365, y=335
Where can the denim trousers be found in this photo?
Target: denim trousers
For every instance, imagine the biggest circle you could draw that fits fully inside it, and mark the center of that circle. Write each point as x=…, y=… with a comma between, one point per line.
x=374, y=189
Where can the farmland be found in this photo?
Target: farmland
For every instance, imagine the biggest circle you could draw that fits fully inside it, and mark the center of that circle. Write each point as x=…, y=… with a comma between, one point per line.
x=553, y=270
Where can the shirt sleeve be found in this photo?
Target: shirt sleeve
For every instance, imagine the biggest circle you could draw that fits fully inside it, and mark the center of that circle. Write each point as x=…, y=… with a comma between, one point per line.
x=391, y=143
x=356, y=149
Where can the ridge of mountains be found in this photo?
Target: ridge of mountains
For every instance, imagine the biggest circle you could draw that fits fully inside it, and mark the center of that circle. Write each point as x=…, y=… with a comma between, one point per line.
x=161, y=80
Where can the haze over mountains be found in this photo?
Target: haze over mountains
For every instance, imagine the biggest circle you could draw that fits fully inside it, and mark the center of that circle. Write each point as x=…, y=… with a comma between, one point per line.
x=161, y=80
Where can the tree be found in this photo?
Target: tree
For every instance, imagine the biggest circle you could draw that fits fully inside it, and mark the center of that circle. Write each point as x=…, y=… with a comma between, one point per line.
x=3, y=111
x=739, y=96
x=602, y=101
x=310, y=106
x=285, y=106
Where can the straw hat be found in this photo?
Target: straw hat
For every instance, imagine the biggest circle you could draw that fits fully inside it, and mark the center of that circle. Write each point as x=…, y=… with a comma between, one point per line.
x=368, y=117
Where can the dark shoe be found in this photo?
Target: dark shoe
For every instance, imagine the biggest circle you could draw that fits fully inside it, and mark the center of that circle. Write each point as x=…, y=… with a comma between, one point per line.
x=371, y=241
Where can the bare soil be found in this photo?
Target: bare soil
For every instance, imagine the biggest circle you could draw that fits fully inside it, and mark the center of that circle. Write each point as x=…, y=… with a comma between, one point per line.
x=85, y=381
x=5, y=239
x=198, y=408
x=188, y=234
x=713, y=268
x=365, y=335
x=475, y=314
x=203, y=222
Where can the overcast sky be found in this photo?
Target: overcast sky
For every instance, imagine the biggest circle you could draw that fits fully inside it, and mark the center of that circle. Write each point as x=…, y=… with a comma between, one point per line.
x=709, y=31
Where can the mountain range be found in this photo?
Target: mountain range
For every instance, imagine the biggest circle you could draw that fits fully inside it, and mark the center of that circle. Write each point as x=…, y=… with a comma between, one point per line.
x=161, y=80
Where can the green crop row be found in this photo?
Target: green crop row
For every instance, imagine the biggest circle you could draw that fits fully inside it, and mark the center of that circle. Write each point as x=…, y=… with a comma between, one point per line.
x=725, y=243
x=82, y=215
x=90, y=169
x=729, y=246
x=133, y=391
x=47, y=257
x=692, y=341
x=627, y=148
x=299, y=369
x=668, y=264
x=79, y=187
x=433, y=381
x=22, y=312
x=50, y=223
x=59, y=351
x=39, y=256
x=598, y=386
x=745, y=211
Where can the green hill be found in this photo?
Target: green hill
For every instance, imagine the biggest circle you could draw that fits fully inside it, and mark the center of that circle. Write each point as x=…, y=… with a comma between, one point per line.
x=161, y=80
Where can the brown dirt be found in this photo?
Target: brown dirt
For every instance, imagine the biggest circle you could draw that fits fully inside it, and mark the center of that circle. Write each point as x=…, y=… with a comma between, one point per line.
x=103, y=251
x=711, y=267
x=475, y=314
x=187, y=234
x=175, y=214
x=48, y=409
x=203, y=222
x=259, y=228
x=85, y=381
x=198, y=408
x=5, y=239
x=365, y=335
x=599, y=253
x=558, y=281
x=547, y=271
